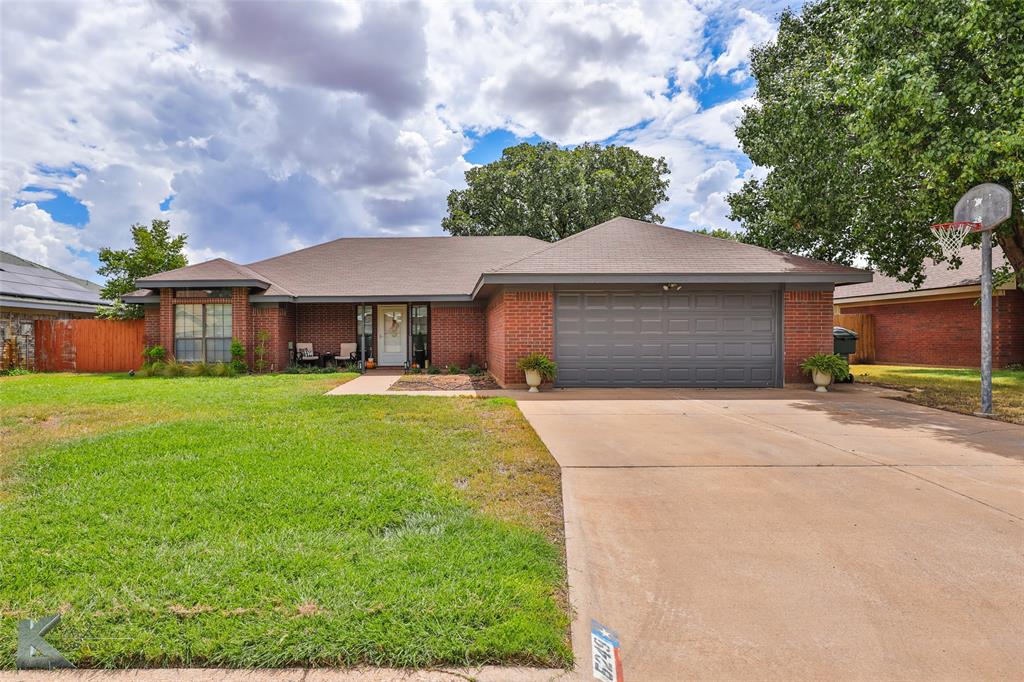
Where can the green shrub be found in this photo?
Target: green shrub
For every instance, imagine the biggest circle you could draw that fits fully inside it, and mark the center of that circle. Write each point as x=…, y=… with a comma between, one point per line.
x=827, y=363
x=434, y=369
x=175, y=369
x=452, y=368
x=415, y=370
x=155, y=353
x=223, y=369
x=310, y=369
x=14, y=372
x=238, y=357
x=474, y=370
x=538, y=362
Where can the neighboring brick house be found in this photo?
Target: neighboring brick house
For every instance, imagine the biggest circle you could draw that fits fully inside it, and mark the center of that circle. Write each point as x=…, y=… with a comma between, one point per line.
x=939, y=323
x=30, y=292
x=625, y=303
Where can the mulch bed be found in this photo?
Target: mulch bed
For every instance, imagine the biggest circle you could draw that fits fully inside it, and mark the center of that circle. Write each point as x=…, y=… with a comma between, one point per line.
x=444, y=382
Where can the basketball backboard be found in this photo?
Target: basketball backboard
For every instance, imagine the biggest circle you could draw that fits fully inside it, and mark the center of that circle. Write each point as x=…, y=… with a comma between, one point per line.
x=988, y=204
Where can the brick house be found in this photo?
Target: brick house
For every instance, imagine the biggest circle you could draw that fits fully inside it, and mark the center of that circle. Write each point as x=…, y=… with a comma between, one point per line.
x=625, y=303
x=939, y=324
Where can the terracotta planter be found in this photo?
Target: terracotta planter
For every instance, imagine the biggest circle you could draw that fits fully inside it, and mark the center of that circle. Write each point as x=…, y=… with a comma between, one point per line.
x=821, y=380
x=533, y=380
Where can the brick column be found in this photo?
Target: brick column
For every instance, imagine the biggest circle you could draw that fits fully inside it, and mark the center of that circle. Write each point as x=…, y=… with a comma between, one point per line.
x=167, y=321
x=806, y=328
x=518, y=323
x=241, y=321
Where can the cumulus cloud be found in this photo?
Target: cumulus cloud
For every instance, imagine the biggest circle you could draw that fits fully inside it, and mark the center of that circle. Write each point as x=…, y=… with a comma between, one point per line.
x=753, y=30
x=30, y=232
x=278, y=125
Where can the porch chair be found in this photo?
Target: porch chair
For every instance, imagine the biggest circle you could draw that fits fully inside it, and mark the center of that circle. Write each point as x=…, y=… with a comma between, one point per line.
x=349, y=351
x=304, y=353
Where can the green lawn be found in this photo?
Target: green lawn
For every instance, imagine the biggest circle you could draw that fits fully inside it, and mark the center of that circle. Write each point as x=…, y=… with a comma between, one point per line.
x=956, y=390
x=256, y=522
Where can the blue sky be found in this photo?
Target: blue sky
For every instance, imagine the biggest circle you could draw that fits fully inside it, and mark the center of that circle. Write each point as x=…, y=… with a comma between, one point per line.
x=257, y=128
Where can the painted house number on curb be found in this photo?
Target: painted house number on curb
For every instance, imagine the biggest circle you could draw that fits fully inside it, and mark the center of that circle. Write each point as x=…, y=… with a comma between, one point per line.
x=607, y=654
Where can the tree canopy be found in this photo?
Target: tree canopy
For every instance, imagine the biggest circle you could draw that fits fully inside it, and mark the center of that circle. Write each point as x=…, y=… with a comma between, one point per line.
x=718, y=233
x=873, y=118
x=543, y=191
x=154, y=250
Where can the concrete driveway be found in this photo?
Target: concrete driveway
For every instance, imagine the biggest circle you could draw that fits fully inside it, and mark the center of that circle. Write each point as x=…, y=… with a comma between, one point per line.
x=790, y=535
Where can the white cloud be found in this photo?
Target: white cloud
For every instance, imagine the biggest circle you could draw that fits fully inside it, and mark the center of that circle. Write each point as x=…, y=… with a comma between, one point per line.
x=279, y=125
x=29, y=232
x=753, y=30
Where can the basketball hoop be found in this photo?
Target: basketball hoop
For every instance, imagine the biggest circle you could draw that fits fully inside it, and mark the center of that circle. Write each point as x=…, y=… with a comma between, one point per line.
x=950, y=236
x=982, y=208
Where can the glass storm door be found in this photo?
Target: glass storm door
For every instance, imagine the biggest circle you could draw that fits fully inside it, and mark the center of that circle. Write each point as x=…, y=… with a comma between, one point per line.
x=392, y=334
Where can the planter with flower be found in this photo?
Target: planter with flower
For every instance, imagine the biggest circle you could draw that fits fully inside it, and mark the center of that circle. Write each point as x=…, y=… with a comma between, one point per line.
x=825, y=369
x=537, y=368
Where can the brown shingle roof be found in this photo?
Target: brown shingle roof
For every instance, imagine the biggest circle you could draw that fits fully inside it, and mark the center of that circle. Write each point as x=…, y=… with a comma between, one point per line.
x=937, y=276
x=430, y=267
x=392, y=266
x=218, y=269
x=623, y=245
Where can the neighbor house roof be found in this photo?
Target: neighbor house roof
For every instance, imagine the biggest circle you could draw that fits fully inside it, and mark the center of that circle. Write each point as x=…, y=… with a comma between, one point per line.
x=25, y=284
x=457, y=268
x=936, y=276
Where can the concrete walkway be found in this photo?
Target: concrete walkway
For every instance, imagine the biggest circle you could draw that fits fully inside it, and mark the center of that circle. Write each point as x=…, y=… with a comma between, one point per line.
x=379, y=384
x=784, y=534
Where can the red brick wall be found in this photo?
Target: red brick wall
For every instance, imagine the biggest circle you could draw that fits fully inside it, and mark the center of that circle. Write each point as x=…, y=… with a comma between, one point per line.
x=458, y=333
x=279, y=320
x=946, y=333
x=327, y=325
x=151, y=330
x=807, y=329
x=518, y=323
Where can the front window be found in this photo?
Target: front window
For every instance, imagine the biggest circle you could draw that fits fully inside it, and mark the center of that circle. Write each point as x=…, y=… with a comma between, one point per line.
x=202, y=332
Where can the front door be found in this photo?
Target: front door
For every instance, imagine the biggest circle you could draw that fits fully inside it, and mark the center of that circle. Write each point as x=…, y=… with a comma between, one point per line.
x=392, y=335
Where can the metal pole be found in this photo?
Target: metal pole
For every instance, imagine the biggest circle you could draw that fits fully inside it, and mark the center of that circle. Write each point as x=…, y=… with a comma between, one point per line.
x=986, y=323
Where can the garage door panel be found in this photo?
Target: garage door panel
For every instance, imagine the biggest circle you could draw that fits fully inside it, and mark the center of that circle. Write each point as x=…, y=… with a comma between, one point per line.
x=655, y=338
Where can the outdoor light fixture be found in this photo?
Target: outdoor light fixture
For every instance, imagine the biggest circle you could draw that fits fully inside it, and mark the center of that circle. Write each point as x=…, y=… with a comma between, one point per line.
x=671, y=286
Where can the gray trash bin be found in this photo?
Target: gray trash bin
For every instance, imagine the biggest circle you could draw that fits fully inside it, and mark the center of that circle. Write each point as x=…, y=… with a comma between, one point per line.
x=844, y=343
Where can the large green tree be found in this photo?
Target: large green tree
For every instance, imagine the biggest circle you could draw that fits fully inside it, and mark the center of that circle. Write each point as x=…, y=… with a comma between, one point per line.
x=154, y=250
x=873, y=117
x=543, y=191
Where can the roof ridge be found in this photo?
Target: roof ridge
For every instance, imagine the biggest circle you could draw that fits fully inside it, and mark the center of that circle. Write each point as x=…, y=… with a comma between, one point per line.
x=428, y=236
x=551, y=245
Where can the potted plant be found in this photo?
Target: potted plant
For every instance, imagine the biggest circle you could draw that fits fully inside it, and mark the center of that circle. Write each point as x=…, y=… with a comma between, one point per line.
x=825, y=368
x=537, y=367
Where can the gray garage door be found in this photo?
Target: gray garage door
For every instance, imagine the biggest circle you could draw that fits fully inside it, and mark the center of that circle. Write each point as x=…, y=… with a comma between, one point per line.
x=650, y=337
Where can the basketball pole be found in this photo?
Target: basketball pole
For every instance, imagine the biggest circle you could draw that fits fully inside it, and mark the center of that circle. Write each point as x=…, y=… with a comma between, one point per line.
x=986, y=323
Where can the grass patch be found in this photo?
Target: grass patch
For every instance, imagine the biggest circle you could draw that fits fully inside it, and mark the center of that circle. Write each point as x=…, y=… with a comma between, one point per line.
x=956, y=390
x=254, y=522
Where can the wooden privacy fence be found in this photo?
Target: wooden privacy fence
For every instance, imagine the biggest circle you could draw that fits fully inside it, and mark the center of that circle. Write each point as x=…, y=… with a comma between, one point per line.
x=864, y=326
x=88, y=345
